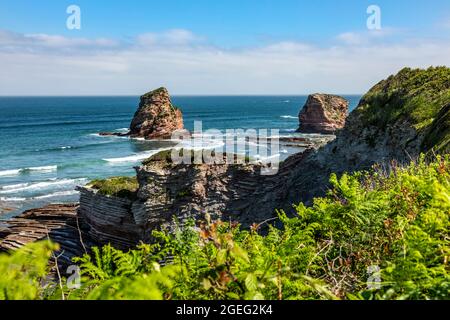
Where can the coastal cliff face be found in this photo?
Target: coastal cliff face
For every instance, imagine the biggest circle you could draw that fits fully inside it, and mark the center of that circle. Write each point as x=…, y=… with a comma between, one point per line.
x=397, y=119
x=156, y=117
x=323, y=113
x=167, y=191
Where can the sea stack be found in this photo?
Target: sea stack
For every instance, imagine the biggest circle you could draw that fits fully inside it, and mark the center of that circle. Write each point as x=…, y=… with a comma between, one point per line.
x=323, y=113
x=156, y=117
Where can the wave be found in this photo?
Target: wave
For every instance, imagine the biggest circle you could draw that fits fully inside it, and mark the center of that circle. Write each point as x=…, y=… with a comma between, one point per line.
x=44, y=168
x=136, y=157
x=14, y=186
x=46, y=196
x=57, y=194
x=60, y=123
x=108, y=136
x=39, y=185
x=288, y=117
x=15, y=172
x=81, y=146
x=13, y=199
x=10, y=172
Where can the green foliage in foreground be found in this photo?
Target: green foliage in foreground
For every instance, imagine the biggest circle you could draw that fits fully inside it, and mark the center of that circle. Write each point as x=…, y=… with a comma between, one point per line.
x=22, y=272
x=122, y=187
x=375, y=235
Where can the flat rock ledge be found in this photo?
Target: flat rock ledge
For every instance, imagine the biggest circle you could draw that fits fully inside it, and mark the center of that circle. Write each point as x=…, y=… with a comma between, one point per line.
x=57, y=222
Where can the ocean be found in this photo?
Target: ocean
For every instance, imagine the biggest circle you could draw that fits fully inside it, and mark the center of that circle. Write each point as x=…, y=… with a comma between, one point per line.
x=50, y=145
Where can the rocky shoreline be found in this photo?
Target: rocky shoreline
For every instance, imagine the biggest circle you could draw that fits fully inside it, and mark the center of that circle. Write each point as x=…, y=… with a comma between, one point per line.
x=236, y=192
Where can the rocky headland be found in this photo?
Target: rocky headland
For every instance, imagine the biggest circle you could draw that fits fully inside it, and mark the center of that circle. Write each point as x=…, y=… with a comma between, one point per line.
x=323, y=113
x=397, y=120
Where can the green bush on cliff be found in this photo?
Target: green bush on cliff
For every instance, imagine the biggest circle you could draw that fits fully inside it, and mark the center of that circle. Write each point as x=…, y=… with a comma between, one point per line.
x=122, y=187
x=414, y=95
x=377, y=235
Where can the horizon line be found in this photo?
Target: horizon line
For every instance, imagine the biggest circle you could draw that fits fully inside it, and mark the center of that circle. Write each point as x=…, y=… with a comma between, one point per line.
x=177, y=95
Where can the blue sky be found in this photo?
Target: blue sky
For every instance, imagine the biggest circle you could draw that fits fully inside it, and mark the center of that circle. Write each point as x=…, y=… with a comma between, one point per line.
x=228, y=23
x=238, y=47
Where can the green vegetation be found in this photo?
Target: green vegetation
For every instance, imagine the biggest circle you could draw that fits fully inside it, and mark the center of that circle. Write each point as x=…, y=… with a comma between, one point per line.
x=375, y=235
x=417, y=96
x=22, y=271
x=122, y=187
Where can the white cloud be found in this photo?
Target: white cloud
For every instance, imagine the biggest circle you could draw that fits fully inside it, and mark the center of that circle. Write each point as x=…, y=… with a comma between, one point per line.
x=175, y=37
x=368, y=36
x=187, y=64
x=11, y=41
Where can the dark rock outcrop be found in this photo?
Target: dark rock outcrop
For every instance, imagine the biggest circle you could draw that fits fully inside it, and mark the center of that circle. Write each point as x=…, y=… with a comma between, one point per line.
x=156, y=117
x=109, y=219
x=323, y=113
x=58, y=222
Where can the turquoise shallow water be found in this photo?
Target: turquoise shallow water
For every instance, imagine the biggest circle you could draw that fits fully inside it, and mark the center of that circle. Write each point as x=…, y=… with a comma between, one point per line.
x=49, y=145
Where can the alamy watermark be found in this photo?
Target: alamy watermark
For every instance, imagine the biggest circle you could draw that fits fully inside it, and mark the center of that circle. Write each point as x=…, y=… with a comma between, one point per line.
x=232, y=146
x=374, y=280
x=73, y=22
x=374, y=19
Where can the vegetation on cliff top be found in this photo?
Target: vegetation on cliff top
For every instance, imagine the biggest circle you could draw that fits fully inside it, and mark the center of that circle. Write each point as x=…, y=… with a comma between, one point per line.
x=417, y=96
x=122, y=187
x=377, y=235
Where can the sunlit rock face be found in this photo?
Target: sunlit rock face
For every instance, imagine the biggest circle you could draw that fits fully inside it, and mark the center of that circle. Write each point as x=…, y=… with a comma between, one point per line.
x=156, y=117
x=323, y=113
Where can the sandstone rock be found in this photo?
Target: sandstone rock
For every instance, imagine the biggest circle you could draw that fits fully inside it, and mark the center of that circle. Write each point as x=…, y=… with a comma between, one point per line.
x=323, y=113
x=156, y=117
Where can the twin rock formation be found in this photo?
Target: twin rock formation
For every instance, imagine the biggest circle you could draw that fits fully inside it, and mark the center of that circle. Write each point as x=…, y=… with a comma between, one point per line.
x=158, y=118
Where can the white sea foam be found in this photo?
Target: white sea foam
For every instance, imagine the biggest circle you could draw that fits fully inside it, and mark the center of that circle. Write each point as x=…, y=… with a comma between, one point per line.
x=288, y=117
x=40, y=185
x=12, y=199
x=43, y=169
x=14, y=186
x=15, y=172
x=135, y=157
x=57, y=194
x=10, y=172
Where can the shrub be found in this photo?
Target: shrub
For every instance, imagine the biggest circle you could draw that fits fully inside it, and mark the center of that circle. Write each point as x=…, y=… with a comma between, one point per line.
x=23, y=271
x=122, y=187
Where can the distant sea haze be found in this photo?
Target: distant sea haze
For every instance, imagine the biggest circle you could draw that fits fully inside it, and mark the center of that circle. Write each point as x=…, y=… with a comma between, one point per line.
x=49, y=145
